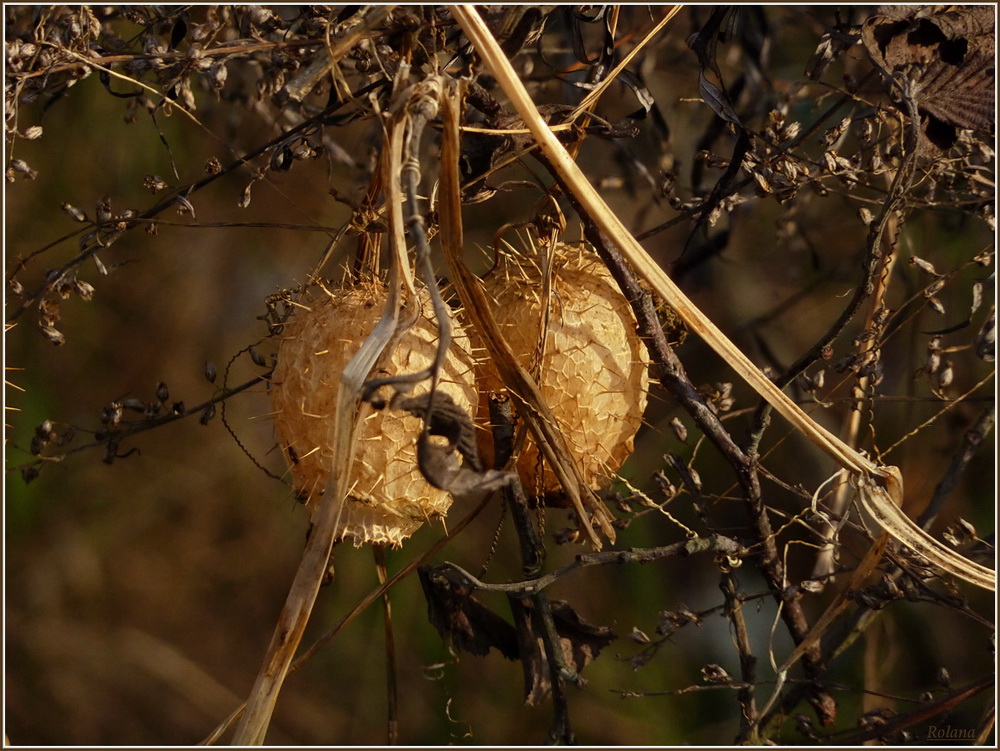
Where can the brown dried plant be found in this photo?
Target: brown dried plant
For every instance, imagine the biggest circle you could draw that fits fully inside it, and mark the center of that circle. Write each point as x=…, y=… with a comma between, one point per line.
x=718, y=223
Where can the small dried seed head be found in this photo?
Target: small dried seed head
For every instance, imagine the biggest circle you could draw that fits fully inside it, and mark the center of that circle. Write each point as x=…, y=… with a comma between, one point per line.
x=207, y=414
x=74, y=212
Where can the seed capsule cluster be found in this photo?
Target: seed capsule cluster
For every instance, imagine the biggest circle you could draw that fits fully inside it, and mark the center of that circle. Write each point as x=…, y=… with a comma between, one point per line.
x=388, y=498
x=593, y=370
x=590, y=364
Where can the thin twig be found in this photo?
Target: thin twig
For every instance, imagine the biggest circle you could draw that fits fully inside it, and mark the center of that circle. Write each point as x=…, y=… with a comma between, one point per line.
x=930, y=709
x=532, y=547
x=561, y=731
x=92, y=247
x=536, y=616
x=971, y=441
x=392, y=693
x=714, y=543
x=873, y=265
x=234, y=48
x=114, y=436
x=850, y=430
x=748, y=662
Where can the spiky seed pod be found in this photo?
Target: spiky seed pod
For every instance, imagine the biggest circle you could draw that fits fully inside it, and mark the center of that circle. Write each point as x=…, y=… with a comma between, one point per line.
x=388, y=498
x=594, y=370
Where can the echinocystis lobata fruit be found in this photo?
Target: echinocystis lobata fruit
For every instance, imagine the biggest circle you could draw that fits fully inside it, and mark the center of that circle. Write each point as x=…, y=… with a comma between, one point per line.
x=594, y=370
x=388, y=498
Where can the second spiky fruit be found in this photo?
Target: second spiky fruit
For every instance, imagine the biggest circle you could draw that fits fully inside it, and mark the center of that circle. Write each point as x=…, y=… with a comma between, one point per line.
x=591, y=366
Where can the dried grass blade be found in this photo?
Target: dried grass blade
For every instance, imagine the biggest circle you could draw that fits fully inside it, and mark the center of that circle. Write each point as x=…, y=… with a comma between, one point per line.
x=882, y=503
x=361, y=607
x=849, y=458
x=305, y=586
x=525, y=391
x=349, y=412
x=394, y=200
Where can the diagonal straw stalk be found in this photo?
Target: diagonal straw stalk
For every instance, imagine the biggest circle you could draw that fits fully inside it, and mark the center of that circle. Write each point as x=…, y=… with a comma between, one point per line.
x=886, y=504
x=523, y=387
x=349, y=412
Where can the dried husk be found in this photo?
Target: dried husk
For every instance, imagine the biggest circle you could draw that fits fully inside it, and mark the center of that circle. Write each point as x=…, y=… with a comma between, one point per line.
x=388, y=498
x=593, y=370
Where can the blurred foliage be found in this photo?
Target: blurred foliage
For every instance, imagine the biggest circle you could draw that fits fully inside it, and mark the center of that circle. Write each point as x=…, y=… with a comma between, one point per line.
x=170, y=167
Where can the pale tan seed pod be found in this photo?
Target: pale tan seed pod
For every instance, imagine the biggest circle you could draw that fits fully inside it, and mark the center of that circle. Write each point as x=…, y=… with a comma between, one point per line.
x=594, y=370
x=388, y=498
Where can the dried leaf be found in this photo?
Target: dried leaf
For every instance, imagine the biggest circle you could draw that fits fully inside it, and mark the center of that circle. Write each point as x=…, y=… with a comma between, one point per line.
x=949, y=51
x=720, y=24
x=641, y=659
x=717, y=99
x=581, y=642
x=463, y=621
x=439, y=464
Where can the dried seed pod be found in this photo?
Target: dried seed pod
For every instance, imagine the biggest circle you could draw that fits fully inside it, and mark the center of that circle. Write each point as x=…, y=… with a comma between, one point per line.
x=680, y=430
x=207, y=414
x=388, y=498
x=84, y=289
x=155, y=183
x=136, y=405
x=594, y=369
x=257, y=357
x=74, y=212
x=945, y=375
